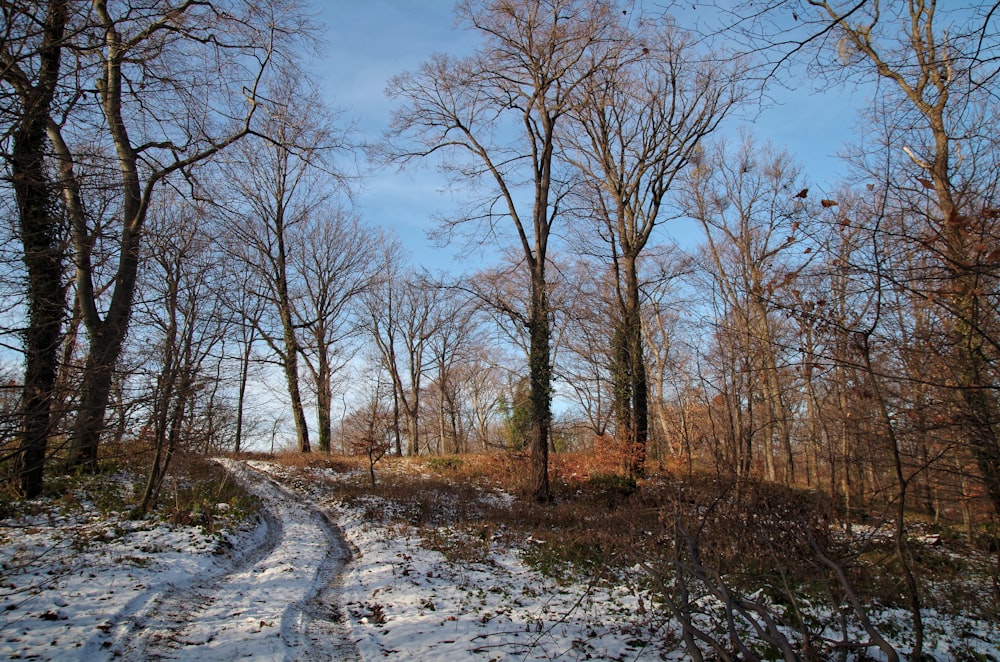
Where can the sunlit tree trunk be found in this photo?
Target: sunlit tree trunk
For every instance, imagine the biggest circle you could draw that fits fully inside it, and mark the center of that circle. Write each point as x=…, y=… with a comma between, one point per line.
x=289, y=337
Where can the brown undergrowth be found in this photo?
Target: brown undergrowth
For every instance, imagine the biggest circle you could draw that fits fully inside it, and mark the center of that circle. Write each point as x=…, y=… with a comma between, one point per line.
x=750, y=536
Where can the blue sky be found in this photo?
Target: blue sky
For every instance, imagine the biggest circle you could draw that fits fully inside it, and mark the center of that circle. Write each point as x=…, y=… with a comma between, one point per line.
x=368, y=42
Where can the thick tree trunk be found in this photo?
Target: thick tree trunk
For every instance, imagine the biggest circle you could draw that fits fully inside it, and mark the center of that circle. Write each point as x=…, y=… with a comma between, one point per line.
x=631, y=389
x=638, y=388
x=971, y=368
x=95, y=392
x=43, y=258
x=106, y=337
x=640, y=408
x=290, y=341
x=540, y=375
x=979, y=415
x=324, y=402
x=295, y=395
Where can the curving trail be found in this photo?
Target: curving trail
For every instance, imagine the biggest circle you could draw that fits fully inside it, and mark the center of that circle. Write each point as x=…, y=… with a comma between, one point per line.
x=275, y=598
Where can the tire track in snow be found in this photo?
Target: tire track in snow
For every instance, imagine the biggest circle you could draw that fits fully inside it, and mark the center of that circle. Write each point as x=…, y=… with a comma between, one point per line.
x=279, y=602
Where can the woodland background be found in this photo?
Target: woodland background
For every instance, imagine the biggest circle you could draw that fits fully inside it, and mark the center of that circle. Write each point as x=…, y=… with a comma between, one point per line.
x=181, y=250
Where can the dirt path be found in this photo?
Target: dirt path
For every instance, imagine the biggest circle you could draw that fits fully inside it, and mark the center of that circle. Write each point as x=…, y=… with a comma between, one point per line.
x=275, y=599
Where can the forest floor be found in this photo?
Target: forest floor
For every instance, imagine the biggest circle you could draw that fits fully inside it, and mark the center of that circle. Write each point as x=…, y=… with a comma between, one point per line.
x=435, y=562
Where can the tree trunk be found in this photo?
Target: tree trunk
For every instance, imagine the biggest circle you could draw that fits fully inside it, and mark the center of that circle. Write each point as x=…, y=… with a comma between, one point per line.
x=106, y=337
x=777, y=412
x=295, y=395
x=540, y=375
x=43, y=257
x=971, y=315
x=396, y=436
x=638, y=416
x=95, y=392
x=442, y=444
x=324, y=402
x=411, y=405
x=290, y=348
x=412, y=428
x=167, y=439
x=242, y=393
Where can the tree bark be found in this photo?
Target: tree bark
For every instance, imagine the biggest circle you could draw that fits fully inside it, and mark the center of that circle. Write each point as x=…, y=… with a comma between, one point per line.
x=290, y=363
x=242, y=391
x=324, y=402
x=106, y=341
x=630, y=384
x=540, y=376
x=43, y=256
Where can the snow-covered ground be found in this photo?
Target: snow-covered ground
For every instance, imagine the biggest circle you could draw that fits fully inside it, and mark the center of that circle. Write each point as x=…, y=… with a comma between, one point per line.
x=127, y=589
x=315, y=578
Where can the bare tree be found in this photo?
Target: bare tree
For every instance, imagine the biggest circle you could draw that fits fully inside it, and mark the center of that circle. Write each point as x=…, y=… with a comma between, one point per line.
x=499, y=113
x=282, y=182
x=152, y=94
x=641, y=120
x=182, y=315
x=334, y=265
x=930, y=76
x=247, y=311
x=585, y=363
x=454, y=338
x=669, y=378
x=264, y=241
x=751, y=206
x=480, y=376
x=31, y=56
x=831, y=299
x=934, y=159
x=367, y=429
x=402, y=317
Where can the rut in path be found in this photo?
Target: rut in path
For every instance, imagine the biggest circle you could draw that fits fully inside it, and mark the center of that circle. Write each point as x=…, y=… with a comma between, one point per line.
x=277, y=600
